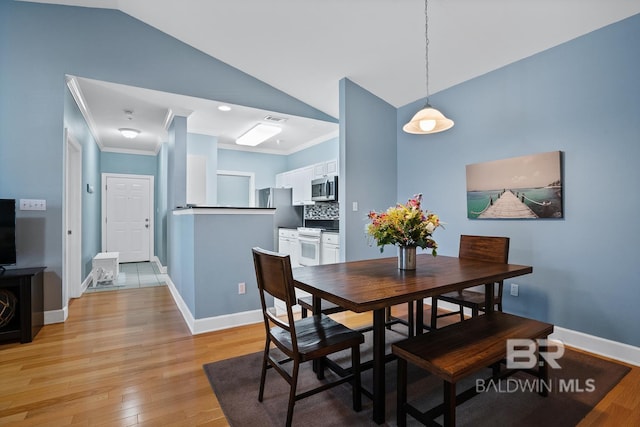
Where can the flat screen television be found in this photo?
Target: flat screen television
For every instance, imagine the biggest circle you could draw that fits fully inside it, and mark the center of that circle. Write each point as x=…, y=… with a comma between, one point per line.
x=7, y=232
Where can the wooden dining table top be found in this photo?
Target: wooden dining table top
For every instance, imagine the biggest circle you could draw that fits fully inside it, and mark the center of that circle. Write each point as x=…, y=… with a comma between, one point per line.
x=372, y=284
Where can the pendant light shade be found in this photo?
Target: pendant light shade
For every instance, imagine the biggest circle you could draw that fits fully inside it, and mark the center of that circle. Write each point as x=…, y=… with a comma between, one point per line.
x=428, y=120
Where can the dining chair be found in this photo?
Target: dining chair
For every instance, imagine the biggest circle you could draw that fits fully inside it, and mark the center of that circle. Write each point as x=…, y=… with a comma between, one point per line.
x=484, y=248
x=302, y=340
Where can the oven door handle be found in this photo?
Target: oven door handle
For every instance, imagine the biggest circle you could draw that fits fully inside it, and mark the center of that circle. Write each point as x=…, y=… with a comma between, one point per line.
x=307, y=239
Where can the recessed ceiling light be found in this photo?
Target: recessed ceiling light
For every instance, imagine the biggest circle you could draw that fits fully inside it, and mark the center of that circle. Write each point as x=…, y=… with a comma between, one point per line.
x=224, y=108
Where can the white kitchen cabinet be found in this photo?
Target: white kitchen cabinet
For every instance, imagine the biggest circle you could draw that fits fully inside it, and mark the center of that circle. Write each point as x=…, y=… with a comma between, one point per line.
x=301, y=184
x=319, y=170
x=299, y=180
x=284, y=180
x=280, y=180
x=288, y=244
x=323, y=169
x=330, y=248
x=332, y=167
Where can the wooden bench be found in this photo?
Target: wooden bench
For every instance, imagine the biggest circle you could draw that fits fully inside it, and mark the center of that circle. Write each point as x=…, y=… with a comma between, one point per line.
x=459, y=350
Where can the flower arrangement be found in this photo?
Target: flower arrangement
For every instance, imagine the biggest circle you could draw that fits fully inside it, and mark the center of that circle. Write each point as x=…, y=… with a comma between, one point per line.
x=404, y=225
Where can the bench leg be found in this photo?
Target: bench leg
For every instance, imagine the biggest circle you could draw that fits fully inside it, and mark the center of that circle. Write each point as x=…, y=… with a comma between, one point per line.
x=402, y=393
x=449, y=404
x=543, y=372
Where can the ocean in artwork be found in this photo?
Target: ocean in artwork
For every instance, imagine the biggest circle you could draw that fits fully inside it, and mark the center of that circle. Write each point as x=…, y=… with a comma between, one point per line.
x=545, y=202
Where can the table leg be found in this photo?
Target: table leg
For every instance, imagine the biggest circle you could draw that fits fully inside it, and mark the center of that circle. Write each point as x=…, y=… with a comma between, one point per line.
x=488, y=297
x=378, y=366
x=317, y=364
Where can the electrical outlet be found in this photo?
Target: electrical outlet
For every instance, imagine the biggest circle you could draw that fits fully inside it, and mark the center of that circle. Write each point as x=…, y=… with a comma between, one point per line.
x=33, y=205
x=514, y=290
x=242, y=288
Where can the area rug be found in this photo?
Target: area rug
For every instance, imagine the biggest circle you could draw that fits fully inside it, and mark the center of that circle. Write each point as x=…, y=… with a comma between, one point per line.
x=575, y=389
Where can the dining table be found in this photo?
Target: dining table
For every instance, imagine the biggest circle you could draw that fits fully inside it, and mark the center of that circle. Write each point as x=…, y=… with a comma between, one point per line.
x=375, y=284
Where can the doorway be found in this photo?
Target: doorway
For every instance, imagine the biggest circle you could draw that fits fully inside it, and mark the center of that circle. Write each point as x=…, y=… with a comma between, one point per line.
x=127, y=216
x=236, y=188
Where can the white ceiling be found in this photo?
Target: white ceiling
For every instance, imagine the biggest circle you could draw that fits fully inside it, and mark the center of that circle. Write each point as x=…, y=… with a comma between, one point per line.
x=305, y=47
x=107, y=104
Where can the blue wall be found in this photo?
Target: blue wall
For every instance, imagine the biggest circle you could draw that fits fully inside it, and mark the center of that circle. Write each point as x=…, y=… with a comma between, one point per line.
x=325, y=151
x=367, y=166
x=39, y=44
x=134, y=164
x=265, y=166
x=582, y=98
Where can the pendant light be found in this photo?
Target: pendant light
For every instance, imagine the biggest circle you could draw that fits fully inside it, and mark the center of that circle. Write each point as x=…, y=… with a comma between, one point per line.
x=428, y=120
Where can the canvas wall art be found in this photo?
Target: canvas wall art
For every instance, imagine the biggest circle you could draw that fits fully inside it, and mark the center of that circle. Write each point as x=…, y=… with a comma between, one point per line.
x=527, y=187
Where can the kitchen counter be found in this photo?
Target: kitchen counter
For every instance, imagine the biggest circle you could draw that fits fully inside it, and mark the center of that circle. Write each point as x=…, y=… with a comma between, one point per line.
x=222, y=210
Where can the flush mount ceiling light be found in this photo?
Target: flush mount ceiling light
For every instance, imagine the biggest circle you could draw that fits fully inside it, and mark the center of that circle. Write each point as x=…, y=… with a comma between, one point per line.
x=258, y=134
x=129, y=133
x=428, y=120
x=224, y=108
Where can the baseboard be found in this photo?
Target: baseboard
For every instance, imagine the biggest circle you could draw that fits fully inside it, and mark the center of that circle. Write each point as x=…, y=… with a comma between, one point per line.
x=161, y=267
x=182, y=306
x=211, y=324
x=612, y=349
x=56, y=316
x=86, y=283
x=60, y=315
x=227, y=321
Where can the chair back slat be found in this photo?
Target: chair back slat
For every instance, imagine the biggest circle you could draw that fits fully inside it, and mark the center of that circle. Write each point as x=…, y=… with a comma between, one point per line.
x=485, y=248
x=274, y=277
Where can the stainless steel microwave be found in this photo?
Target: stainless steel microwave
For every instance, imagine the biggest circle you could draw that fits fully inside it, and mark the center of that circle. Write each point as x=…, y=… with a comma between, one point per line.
x=324, y=189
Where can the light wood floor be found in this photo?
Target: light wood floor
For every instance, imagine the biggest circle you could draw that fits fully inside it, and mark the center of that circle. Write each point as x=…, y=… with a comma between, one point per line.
x=127, y=358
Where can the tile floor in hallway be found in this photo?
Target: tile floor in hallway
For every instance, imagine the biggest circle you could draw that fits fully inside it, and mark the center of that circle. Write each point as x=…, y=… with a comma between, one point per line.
x=133, y=275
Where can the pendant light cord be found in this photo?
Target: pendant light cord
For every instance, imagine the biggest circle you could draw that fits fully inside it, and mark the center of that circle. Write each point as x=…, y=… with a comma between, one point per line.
x=426, y=39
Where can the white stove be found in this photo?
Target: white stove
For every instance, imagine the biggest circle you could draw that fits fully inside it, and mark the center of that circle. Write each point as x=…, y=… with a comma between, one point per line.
x=309, y=241
x=310, y=231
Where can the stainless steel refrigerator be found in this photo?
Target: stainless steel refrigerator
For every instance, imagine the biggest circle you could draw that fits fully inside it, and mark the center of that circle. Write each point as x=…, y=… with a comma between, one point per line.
x=286, y=215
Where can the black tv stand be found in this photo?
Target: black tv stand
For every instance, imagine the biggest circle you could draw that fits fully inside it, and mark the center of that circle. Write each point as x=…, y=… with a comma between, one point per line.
x=27, y=286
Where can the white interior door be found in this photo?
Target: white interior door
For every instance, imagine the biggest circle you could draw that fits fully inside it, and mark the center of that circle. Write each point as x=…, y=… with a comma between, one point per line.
x=128, y=216
x=73, y=219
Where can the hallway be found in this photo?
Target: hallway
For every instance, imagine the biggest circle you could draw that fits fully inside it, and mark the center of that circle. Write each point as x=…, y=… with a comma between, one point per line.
x=133, y=275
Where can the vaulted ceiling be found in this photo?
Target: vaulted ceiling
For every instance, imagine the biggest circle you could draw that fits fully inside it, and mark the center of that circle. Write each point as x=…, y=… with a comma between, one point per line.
x=305, y=47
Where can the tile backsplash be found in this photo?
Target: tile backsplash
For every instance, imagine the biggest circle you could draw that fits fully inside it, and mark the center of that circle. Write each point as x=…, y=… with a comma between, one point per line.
x=322, y=210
